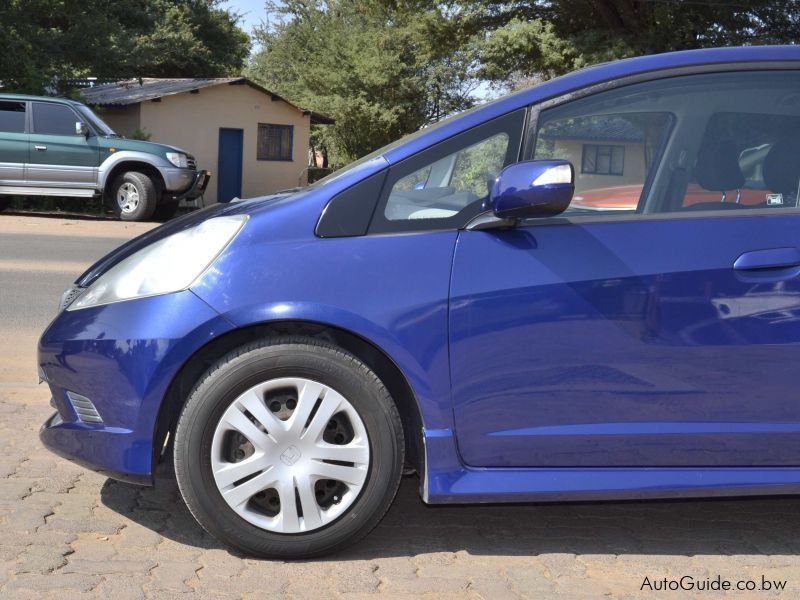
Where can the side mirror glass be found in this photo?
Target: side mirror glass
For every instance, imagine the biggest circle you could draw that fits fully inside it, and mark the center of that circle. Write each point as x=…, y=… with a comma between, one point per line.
x=534, y=188
x=81, y=128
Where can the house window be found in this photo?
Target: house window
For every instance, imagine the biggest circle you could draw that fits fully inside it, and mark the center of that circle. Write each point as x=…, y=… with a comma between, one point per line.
x=600, y=159
x=275, y=141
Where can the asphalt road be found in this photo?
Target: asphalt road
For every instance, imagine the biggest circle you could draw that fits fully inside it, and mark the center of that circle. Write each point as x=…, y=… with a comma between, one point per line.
x=39, y=259
x=36, y=269
x=66, y=532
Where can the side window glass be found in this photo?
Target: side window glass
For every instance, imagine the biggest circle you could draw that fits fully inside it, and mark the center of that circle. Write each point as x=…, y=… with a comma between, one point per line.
x=451, y=184
x=612, y=155
x=749, y=159
x=716, y=141
x=446, y=184
x=12, y=117
x=53, y=119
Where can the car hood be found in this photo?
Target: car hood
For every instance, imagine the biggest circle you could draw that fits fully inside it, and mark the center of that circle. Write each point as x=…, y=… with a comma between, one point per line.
x=185, y=222
x=125, y=144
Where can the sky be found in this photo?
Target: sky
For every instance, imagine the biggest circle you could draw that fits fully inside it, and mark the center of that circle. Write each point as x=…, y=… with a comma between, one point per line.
x=252, y=11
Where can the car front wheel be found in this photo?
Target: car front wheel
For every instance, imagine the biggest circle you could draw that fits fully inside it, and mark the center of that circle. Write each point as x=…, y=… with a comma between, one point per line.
x=133, y=196
x=289, y=448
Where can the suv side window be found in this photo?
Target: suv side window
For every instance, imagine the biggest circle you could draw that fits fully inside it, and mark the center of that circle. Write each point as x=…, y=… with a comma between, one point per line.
x=12, y=117
x=446, y=185
x=53, y=119
x=717, y=141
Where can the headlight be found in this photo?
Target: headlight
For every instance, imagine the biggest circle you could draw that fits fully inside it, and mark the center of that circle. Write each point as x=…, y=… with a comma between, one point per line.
x=178, y=159
x=166, y=266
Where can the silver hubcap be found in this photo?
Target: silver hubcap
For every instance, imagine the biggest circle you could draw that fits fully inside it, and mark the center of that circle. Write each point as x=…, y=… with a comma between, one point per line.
x=290, y=455
x=127, y=197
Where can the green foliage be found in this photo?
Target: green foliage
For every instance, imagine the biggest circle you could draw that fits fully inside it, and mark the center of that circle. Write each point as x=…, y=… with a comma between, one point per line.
x=410, y=181
x=43, y=39
x=541, y=39
x=141, y=134
x=479, y=164
x=380, y=71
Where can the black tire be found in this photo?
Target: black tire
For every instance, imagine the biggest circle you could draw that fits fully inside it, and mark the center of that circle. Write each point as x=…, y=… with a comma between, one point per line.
x=166, y=209
x=270, y=359
x=5, y=202
x=147, y=196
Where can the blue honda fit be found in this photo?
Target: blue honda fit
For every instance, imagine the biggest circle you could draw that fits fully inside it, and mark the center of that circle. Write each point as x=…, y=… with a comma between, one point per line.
x=585, y=290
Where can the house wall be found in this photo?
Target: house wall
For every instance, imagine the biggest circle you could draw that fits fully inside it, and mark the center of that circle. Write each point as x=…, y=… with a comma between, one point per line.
x=122, y=120
x=633, y=171
x=192, y=121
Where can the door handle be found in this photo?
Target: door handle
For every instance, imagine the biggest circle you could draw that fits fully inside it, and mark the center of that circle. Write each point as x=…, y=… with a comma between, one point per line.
x=40, y=148
x=765, y=266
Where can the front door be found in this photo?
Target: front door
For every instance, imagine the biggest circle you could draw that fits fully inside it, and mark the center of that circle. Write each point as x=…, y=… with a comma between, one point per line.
x=57, y=156
x=229, y=167
x=658, y=331
x=13, y=142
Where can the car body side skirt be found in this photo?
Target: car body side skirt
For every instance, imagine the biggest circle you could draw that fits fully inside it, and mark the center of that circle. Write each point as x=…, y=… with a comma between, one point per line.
x=447, y=481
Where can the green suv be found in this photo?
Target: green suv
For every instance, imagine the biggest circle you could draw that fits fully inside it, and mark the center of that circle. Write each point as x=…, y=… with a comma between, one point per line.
x=59, y=147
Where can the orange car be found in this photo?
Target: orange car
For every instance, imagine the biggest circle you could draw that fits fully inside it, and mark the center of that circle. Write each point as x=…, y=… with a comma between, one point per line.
x=626, y=197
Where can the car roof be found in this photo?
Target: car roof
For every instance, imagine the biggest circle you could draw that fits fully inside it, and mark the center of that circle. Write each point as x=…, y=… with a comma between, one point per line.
x=590, y=76
x=29, y=98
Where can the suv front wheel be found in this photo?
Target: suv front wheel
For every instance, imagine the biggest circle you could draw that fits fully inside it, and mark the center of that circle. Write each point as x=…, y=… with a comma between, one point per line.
x=133, y=196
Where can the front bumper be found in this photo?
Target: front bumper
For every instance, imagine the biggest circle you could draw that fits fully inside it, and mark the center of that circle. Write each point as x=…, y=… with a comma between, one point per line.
x=185, y=183
x=122, y=357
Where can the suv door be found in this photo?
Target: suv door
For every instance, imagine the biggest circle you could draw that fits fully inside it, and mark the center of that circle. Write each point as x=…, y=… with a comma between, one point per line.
x=657, y=332
x=58, y=157
x=13, y=142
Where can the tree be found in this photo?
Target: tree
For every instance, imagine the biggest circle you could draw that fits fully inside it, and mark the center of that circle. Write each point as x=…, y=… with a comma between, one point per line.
x=544, y=38
x=42, y=39
x=372, y=67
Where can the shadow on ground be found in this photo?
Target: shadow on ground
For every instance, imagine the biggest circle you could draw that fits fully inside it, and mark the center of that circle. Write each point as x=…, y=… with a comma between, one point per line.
x=78, y=216
x=698, y=527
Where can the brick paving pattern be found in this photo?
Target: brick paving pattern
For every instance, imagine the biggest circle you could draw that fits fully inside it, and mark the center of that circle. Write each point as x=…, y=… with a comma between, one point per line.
x=66, y=532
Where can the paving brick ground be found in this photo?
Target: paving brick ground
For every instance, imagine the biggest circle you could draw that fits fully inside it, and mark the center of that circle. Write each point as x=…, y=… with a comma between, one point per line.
x=69, y=533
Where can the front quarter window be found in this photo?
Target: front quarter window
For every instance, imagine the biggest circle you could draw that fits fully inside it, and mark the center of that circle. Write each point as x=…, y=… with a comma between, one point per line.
x=449, y=185
x=446, y=185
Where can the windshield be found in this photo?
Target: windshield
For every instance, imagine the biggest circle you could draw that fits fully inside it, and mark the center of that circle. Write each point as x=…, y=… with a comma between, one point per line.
x=96, y=121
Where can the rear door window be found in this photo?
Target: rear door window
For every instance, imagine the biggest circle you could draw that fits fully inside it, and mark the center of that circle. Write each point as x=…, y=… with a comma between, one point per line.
x=12, y=117
x=53, y=119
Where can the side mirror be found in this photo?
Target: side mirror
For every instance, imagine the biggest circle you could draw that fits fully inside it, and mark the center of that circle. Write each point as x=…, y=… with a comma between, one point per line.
x=534, y=188
x=81, y=128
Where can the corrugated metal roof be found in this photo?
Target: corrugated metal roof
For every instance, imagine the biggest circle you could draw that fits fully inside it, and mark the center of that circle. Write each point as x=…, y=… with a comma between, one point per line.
x=134, y=91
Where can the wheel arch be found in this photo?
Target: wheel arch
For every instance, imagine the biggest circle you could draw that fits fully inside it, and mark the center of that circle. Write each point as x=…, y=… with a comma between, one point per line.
x=374, y=357
x=133, y=165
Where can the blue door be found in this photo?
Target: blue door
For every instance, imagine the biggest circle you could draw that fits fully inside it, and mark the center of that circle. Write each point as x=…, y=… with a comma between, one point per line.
x=661, y=333
x=229, y=164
